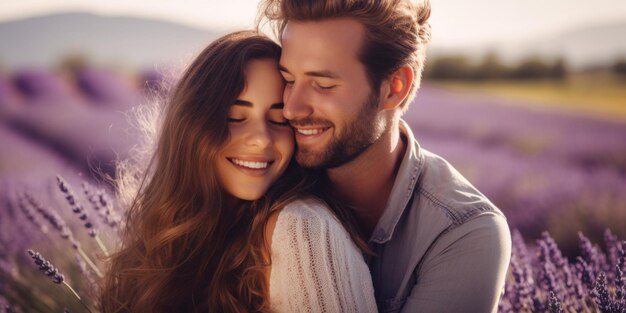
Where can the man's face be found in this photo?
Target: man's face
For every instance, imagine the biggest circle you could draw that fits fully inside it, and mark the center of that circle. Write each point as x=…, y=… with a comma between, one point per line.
x=328, y=99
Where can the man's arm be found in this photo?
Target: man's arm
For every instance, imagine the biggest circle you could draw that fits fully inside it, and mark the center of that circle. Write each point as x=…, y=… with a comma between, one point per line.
x=465, y=270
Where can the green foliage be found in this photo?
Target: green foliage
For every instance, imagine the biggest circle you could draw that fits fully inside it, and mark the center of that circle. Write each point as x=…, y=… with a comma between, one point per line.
x=449, y=67
x=73, y=62
x=491, y=67
x=619, y=67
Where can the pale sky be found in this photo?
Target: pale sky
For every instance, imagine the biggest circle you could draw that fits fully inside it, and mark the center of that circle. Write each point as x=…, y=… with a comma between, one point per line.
x=455, y=22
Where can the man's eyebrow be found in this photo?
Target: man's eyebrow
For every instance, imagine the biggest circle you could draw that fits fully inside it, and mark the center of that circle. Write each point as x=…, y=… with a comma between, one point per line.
x=325, y=74
x=278, y=105
x=243, y=103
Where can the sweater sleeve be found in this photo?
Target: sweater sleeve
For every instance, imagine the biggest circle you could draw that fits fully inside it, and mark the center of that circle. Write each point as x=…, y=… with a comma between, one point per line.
x=315, y=265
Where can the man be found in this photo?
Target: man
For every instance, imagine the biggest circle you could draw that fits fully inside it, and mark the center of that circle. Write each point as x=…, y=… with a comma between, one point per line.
x=352, y=67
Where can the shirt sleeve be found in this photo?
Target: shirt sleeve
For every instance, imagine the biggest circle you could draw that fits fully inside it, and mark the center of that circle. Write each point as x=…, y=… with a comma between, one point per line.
x=315, y=265
x=465, y=270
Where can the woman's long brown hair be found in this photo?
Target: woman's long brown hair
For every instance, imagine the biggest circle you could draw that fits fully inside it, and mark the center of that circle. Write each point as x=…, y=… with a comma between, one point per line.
x=183, y=249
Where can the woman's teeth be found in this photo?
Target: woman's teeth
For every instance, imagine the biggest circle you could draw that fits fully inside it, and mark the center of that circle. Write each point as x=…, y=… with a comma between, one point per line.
x=249, y=164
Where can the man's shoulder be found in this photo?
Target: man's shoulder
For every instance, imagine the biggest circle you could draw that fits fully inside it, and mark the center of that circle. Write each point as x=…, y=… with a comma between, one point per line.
x=441, y=188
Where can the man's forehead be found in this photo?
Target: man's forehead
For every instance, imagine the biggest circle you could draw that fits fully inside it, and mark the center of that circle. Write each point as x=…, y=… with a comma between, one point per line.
x=333, y=28
x=334, y=40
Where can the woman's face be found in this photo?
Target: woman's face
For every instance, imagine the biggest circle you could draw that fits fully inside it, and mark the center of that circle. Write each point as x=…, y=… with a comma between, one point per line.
x=261, y=140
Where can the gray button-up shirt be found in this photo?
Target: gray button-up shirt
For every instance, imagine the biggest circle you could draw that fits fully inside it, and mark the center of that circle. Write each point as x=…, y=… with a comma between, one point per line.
x=441, y=245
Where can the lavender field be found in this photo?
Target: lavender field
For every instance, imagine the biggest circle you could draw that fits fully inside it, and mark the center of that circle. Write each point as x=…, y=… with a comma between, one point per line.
x=559, y=178
x=547, y=170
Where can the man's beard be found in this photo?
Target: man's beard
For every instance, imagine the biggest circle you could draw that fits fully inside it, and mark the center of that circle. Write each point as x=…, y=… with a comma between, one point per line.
x=358, y=135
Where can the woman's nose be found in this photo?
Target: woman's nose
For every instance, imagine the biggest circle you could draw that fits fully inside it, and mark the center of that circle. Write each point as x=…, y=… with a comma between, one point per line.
x=259, y=136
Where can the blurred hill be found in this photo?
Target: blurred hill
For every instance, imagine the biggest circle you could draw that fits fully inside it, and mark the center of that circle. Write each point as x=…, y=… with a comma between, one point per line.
x=139, y=42
x=127, y=41
x=591, y=46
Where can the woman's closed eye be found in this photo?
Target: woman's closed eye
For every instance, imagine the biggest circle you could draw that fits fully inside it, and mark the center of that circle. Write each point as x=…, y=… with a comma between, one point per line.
x=275, y=115
x=235, y=120
x=280, y=123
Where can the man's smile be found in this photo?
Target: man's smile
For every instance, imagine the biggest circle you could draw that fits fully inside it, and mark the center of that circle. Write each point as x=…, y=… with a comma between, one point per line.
x=311, y=131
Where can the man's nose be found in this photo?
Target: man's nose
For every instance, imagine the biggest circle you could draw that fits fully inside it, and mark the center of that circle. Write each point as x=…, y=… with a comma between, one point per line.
x=297, y=104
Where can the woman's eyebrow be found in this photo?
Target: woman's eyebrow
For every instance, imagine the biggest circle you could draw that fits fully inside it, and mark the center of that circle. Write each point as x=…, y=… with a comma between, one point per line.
x=243, y=103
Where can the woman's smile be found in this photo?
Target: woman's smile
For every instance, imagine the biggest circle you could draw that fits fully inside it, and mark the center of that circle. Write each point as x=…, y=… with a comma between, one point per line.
x=253, y=166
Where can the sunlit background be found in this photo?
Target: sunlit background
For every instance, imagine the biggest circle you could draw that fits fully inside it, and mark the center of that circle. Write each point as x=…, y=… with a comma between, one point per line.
x=526, y=98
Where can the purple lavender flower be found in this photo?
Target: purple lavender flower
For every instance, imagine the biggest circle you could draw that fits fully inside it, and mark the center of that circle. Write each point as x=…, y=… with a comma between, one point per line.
x=620, y=290
x=9, y=308
x=554, y=305
x=54, y=219
x=549, y=278
x=537, y=306
x=552, y=249
x=622, y=256
x=46, y=267
x=30, y=213
x=562, y=279
x=612, y=244
x=76, y=207
x=555, y=274
x=585, y=274
x=601, y=293
x=592, y=255
x=101, y=203
x=571, y=287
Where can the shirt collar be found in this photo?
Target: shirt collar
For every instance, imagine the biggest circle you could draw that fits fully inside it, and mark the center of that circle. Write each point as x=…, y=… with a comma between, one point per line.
x=403, y=187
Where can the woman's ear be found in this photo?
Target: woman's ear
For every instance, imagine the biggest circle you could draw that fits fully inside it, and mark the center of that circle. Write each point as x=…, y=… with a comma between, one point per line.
x=396, y=87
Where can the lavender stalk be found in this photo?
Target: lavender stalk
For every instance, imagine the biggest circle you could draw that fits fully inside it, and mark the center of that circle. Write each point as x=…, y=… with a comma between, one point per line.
x=29, y=213
x=47, y=268
x=66, y=233
x=82, y=214
x=101, y=203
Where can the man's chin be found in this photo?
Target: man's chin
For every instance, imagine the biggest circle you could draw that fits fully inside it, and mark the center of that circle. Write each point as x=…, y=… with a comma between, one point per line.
x=311, y=160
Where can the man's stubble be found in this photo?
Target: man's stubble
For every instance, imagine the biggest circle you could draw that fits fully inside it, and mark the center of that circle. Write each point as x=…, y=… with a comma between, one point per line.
x=357, y=136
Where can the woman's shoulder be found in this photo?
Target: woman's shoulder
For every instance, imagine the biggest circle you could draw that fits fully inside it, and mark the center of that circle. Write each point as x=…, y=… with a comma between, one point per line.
x=312, y=212
x=307, y=208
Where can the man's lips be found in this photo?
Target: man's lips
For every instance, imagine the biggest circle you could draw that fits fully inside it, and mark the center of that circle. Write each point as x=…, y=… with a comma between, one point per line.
x=310, y=135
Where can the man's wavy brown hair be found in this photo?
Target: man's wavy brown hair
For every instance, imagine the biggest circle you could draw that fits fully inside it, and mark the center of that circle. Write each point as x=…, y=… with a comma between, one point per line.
x=183, y=249
x=396, y=31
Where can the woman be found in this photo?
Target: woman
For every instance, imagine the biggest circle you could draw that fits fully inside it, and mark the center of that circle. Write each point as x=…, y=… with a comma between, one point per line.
x=226, y=222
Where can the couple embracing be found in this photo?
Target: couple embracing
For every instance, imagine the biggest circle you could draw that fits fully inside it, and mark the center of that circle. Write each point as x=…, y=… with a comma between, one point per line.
x=285, y=180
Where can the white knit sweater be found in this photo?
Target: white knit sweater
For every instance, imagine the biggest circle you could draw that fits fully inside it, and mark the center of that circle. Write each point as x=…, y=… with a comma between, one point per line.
x=316, y=267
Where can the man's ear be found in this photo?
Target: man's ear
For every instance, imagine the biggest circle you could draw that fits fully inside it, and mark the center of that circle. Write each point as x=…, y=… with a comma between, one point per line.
x=396, y=87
